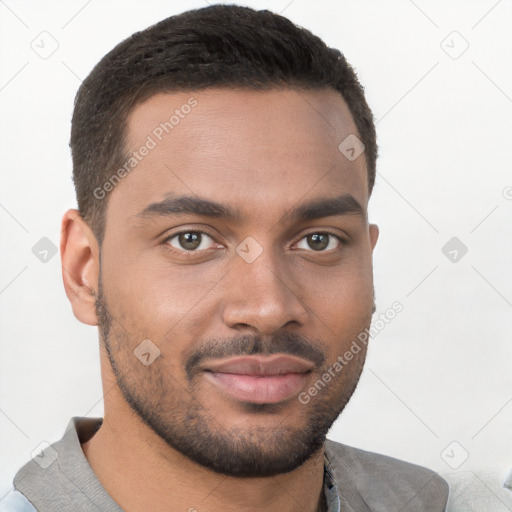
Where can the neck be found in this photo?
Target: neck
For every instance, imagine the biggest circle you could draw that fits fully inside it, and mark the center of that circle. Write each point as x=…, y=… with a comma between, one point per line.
x=141, y=472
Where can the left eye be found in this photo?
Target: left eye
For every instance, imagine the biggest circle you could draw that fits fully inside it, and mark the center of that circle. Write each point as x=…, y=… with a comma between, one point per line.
x=320, y=241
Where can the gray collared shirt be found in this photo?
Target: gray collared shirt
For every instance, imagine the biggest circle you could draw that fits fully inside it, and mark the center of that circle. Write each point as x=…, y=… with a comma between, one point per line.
x=61, y=480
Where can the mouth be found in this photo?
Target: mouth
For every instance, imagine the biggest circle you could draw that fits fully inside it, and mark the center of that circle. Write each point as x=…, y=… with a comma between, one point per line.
x=258, y=379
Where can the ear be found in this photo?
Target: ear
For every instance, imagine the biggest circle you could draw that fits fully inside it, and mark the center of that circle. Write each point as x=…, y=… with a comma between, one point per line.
x=373, y=231
x=80, y=266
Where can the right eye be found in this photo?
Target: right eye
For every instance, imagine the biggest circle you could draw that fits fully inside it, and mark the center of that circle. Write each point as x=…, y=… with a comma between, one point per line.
x=189, y=241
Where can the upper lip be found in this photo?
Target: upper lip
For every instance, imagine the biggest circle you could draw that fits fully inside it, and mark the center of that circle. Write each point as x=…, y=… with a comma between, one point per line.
x=261, y=365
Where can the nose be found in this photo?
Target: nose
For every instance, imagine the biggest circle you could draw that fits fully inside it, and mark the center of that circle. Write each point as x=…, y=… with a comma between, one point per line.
x=263, y=296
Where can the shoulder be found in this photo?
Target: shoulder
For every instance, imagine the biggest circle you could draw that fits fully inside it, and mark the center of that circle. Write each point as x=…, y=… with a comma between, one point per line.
x=380, y=479
x=14, y=501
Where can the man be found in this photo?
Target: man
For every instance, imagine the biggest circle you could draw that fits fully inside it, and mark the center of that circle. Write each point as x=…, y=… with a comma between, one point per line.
x=223, y=162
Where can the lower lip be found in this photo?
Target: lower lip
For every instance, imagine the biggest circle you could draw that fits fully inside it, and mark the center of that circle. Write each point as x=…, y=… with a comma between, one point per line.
x=270, y=389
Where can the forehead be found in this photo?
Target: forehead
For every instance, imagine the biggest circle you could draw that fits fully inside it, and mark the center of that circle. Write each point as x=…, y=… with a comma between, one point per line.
x=257, y=150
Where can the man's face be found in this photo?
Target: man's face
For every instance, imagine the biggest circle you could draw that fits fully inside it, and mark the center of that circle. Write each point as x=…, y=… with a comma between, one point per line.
x=287, y=285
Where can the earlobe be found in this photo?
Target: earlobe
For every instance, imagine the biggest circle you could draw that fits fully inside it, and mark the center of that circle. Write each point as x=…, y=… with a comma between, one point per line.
x=374, y=234
x=80, y=266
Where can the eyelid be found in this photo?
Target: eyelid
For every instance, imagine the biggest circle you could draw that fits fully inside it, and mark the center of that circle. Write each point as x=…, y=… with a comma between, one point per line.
x=337, y=236
x=167, y=239
x=186, y=252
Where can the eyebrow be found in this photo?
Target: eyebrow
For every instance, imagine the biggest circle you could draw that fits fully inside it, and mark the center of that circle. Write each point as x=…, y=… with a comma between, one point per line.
x=173, y=205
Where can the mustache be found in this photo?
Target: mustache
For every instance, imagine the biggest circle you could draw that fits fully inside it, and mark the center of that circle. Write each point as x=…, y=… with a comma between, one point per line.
x=246, y=345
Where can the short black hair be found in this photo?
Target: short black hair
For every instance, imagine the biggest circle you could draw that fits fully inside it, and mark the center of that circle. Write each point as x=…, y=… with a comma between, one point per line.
x=215, y=46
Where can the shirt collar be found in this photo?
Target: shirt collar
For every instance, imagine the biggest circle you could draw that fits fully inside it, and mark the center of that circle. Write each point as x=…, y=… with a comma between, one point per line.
x=77, y=471
x=331, y=491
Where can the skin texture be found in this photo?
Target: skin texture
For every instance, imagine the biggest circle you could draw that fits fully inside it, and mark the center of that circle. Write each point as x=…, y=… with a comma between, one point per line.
x=171, y=440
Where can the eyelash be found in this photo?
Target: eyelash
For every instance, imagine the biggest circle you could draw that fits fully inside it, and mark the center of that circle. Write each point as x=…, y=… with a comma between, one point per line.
x=195, y=252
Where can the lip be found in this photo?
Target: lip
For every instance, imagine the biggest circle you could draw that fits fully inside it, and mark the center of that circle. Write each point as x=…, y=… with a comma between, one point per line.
x=261, y=365
x=260, y=380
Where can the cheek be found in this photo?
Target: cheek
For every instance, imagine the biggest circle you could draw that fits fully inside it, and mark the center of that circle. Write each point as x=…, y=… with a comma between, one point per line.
x=156, y=301
x=346, y=289
x=344, y=304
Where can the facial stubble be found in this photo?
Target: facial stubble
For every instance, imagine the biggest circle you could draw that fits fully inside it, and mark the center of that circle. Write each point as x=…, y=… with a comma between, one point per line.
x=175, y=411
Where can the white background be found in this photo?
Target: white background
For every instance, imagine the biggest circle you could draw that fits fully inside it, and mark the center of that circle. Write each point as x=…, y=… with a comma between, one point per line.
x=441, y=371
